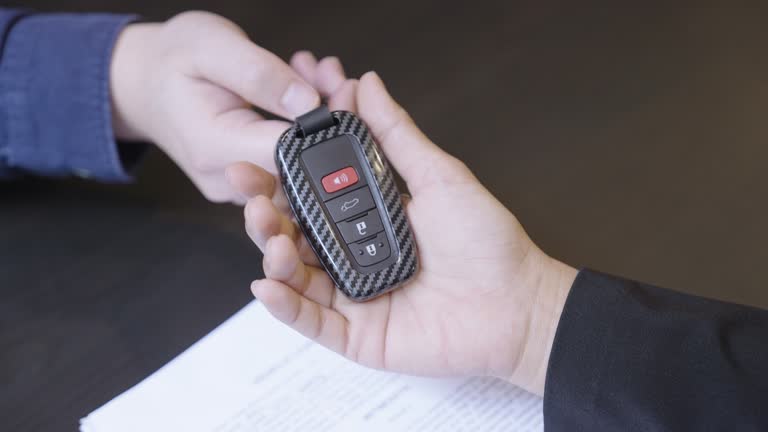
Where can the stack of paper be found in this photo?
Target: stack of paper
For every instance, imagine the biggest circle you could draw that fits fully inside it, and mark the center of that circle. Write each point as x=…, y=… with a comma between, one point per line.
x=254, y=374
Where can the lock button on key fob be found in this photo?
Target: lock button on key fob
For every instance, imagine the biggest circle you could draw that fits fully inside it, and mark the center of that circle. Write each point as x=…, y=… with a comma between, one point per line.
x=371, y=251
x=346, y=202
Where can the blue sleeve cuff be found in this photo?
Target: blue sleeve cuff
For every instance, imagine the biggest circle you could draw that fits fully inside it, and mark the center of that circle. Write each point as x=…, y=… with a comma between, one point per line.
x=55, y=106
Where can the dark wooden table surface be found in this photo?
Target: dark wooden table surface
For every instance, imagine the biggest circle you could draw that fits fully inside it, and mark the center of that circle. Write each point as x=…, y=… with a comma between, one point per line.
x=627, y=139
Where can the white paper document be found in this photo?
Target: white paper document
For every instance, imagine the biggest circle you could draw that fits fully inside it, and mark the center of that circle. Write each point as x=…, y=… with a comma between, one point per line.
x=254, y=374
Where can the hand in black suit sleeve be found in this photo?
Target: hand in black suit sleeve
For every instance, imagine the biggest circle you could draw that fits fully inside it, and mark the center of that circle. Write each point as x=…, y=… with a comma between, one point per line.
x=633, y=357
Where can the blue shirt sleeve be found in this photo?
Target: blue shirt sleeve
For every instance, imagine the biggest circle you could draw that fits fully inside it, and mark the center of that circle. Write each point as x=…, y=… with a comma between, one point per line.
x=55, y=107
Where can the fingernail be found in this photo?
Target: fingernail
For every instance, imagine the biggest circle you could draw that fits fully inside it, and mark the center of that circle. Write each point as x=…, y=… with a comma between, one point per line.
x=265, y=265
x=265, y=252
x=228, y=175
x=241, y=198
x=375, y=75
x=299, y=98
x=255, y=287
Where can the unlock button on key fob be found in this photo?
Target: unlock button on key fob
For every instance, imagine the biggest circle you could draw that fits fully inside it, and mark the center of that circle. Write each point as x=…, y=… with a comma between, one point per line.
x=360, y=228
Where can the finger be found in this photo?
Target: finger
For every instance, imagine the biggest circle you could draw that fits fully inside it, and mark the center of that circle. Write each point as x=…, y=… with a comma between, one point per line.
x=237, y=141
x=305, y=64
x=215, y=189
x=405, y=199
x=345, y=97
x=329, y=76
x=263, y=221
x=282, y=263
x=250, y=180
x=318, y=323
x=281, y=202
x=413, y=155
x=217, y=138
x=257, y=75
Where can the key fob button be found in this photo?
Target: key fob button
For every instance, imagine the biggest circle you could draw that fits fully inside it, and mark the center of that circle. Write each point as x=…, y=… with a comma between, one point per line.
x=340, y=179
x=372, y=251
x=362, y=227
x=350, y=204
x=333, y=166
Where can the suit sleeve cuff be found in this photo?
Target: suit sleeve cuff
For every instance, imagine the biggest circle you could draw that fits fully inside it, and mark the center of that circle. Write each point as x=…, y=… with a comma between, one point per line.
x=579, y=351
x=54, y=81
x=631, y=356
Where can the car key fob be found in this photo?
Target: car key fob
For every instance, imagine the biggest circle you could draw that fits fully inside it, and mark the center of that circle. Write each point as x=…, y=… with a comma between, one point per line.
x=346, y=202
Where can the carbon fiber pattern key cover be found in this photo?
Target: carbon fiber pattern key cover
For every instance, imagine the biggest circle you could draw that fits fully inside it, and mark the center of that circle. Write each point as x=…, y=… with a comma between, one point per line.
x=318, y=229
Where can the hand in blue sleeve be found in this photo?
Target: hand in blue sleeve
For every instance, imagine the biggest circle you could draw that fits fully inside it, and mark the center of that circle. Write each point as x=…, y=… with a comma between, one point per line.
x=73, y=85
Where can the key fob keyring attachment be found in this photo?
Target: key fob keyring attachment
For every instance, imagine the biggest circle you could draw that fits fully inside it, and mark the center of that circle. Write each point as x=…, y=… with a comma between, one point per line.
x=347, y=203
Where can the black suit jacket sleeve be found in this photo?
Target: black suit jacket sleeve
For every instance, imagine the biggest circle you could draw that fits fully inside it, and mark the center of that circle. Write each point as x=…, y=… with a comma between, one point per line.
x=633, y=357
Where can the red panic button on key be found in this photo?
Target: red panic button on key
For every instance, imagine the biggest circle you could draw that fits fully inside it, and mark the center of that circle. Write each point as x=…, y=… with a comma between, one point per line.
x=340, y=179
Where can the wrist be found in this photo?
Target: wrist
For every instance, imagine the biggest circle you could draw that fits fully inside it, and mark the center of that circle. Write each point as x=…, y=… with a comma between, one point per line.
x=552, y=281
x=129, y=81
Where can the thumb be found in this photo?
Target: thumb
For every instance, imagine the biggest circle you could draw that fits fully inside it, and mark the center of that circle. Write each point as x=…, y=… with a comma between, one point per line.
x=414, y=156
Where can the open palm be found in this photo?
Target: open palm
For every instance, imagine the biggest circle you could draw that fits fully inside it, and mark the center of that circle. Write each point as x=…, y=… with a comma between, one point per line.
x=466, y=311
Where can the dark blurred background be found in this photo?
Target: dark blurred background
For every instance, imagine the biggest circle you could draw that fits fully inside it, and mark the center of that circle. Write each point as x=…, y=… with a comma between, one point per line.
x=627, y=139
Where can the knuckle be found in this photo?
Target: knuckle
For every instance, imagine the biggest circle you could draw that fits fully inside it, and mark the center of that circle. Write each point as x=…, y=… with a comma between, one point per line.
x=215, y=196
x=303, y=55
x=455, y=166
x=212, y=191
x=194, y=17
x=256, y=75
x=396, y=125
x=198, y=27
x=444, y=170
x=331, y=62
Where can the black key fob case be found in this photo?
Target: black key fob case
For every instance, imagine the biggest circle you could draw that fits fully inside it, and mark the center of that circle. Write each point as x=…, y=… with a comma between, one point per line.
x=346, y=201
